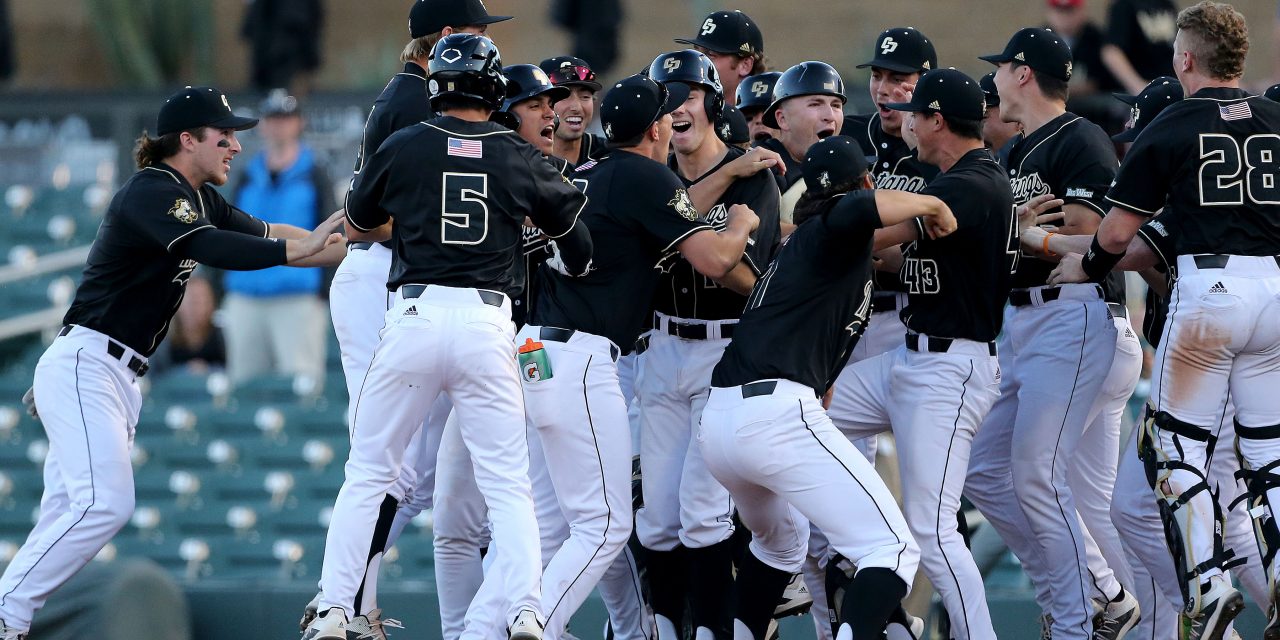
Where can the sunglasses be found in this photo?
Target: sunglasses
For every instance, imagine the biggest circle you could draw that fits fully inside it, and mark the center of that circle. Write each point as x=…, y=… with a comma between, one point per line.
x=576, y=73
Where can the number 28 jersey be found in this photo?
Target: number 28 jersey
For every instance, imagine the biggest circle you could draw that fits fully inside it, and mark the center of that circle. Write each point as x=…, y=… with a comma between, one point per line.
x=1215, y=157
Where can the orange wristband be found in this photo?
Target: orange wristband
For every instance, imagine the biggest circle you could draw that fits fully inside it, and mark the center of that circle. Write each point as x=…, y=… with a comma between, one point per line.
x=1045, y=245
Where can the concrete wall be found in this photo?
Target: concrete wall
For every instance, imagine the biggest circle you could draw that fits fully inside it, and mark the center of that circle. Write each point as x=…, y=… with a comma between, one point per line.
x=59, y=49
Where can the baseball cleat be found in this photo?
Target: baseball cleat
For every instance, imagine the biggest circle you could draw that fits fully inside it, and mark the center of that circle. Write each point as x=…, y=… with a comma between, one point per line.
x=525, y=627
x=1046, y=627
x=330, y=625
x=1221, y=604
x=1117, y=618
x=796, y=599
x=912, y=630
x=1272, y=631
x=309, y=612
x=771, y=633
x=371, y=626
x=9, y=633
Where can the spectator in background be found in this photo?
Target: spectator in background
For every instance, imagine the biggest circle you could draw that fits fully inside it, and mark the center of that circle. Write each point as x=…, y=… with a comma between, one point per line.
x=195, y=344
x=1091, y=81
x=596, y=26
x=7, y=60
x=275, y=319
x=1140, y=41
x=285, y=38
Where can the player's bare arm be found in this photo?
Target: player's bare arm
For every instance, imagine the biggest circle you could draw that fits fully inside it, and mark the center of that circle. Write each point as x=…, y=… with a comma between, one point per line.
x=716, y=254
x=707, y=191
x=889, y=260
x=1079, y=220
x=330, y=256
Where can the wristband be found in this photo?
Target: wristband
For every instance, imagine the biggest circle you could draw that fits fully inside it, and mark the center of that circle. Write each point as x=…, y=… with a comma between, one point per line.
x=1099, y=262
x=1045, y=245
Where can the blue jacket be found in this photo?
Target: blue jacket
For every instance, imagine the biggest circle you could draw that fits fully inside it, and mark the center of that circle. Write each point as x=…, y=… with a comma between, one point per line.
x=298, y=196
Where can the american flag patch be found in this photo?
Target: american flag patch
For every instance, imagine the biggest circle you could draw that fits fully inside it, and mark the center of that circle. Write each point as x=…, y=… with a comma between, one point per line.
x=586, y=165
x=1237, y=111
x=465, y=148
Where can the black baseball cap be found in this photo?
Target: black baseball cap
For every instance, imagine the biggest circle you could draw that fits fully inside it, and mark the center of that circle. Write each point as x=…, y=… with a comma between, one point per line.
x=732, y=126
x=989, y=92
x=568, y=71
x=279, y=103
x=431, y=16
x=1157, y=95
x=946, y=91
x=196, y=107
x=905, y=50
x=833, y=160
x=635, y=103
x=1038, y=48
x=728, y=32
x=1272, y=93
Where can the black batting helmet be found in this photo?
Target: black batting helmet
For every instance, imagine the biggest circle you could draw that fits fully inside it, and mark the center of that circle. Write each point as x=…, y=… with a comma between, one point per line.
x=467, y=66
x=692, y=68
x=756, y=92
x=805, y=79
x=526, y=81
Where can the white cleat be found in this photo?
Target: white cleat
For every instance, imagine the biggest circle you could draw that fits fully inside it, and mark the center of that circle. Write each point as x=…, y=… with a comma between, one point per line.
x=371, y=626
x=309, y=613
x=331, y=625
x=1221, y=604
x=10, y=633
x=796, y=599
x=1117, y=618
x=525, y=627
x=913, y=630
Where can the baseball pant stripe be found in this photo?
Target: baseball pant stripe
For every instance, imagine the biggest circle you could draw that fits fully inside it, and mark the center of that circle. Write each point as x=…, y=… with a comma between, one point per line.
x=854, y=476
x=955, y=428
x=1057, y=446
x=93, y=494
x=586, y=402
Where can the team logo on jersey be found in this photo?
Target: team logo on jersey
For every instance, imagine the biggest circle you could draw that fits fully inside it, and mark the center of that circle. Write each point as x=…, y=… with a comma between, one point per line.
x=1078, y=192
x=683, y=205
x=718, y=217
x=1028, y=186
x=912, y=184
x=1158, y=227
x=182, y=211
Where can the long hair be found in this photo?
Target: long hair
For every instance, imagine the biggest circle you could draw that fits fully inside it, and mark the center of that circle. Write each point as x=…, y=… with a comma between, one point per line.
x=148, y=151
x=815, y=203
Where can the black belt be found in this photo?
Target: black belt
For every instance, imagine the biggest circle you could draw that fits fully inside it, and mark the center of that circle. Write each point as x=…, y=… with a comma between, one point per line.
x=884, y=301
x=940, y=345
x=1218, y=261
x=1118, y=310
x=762, y=388
x=358, y=246
x=1022, y=297
x=692, y=331
x=556, y=334
x=116, y=350
x=491, y=298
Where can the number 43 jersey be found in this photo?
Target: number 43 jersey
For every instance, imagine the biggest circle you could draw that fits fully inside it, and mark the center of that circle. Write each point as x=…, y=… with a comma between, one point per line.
x=459, y=193
x=1213, y=162
x=957, y=285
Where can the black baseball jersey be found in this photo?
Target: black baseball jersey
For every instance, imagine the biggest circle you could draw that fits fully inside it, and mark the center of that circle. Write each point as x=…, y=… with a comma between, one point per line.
x=137, y=273
x=1213, y=162
x=957, y=285
x=1156, y=235
x=459, y=193
x=893, y=165
x=795, y=169
x=638, y=212
x=593, y=147
x=682, y=291
x=808, y=310
x=537, y=249
x=1144, y=31
x=404, y=101
x=1074, y=160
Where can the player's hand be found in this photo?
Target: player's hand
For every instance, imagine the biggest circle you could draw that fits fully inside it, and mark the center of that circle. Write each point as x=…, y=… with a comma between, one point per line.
x=941, y=223
x=1070, y=269
x=326, y=233
x=557, y=263
x=754, y=161
x=1033, y=212
x=29, y=403
x=741, y=214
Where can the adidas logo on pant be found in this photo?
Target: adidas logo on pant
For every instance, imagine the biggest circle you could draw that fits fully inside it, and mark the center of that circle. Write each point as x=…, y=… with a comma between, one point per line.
x=411, y=311
x=1218, y=288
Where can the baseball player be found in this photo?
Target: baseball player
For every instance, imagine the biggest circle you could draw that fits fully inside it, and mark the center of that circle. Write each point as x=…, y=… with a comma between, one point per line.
x=449, y=329
x=1213, y=343
x=936, y=389
x=753, y=97
x=572, y=141
x=358, y=296
x=687, y=517
x=764, y=433
x=166, y=219
x=996, y=133
x=808, y=105
x=638, y=212
x=733, y=42
x=1057, y=349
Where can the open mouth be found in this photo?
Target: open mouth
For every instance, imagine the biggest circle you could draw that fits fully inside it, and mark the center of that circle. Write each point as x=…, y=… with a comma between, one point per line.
x=761, y=136
x=826, y=133
x=682, y=126
x=884, y=111
x=547, y=131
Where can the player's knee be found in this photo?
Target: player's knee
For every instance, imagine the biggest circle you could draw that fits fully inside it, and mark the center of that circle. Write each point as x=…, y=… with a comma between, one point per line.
x=112, y=511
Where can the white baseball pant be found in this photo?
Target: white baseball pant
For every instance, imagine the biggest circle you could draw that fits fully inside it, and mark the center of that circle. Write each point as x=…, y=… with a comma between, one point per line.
x=452, y=341
x=88, y=403
x=934, y=401
x=1056, y=353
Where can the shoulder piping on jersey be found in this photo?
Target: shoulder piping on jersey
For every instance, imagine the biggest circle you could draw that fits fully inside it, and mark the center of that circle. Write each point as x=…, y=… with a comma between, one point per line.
x=166, y=172
x=1046, y=139
x=575, y=220
x=175, y=240
x=686, y=234
x=469, y=135
x=351, y=222
x=872, y=140
x=1222, y=99
x=1130, y=207
x=1091, y=205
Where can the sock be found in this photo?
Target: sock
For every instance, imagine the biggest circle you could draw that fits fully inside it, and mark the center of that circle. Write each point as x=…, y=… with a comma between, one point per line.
x=759, y=587
x=366, y=602
x=666, y=573
x=710, y=588
x=873, y=596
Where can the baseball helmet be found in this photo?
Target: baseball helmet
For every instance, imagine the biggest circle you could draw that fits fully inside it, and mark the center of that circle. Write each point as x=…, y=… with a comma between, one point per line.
x=805, y=79
x=468, y=66
x=692, y=68
x=756, y=92
x=525, y=81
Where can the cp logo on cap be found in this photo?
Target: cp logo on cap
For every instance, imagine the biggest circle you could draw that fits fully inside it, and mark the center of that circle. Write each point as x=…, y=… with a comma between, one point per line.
x=759, y=88
x=228, y=105
x=888, y=45
x=708, y=27
x=671, y=64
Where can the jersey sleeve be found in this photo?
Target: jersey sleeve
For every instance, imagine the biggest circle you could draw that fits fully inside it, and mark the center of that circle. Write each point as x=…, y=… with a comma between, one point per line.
x=1158, y=238
x=1120, y=24
x=558, y=203
x=364, y=200
x=164, y=215
x=1144, y=179
x=660, y=204
x=1087, y=173
x=229, y=218
x=765, y=201
x=855, y=214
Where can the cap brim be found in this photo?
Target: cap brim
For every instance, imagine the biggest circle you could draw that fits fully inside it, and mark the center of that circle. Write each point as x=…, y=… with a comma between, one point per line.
x=1126, y=98
x=896, y=67
x=594, y=86
x=236, y=123
x=996, y=58
x=905, y=106
x=677, y=93
x=492, y=19
x=699, y=42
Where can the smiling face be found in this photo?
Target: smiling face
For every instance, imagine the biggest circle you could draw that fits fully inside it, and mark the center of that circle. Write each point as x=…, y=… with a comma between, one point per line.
x=882, y=86
x=537, y=121
x=575, y=113
x=689, y=123
x=211, y=157
x=804, y=120
x=756, y=126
